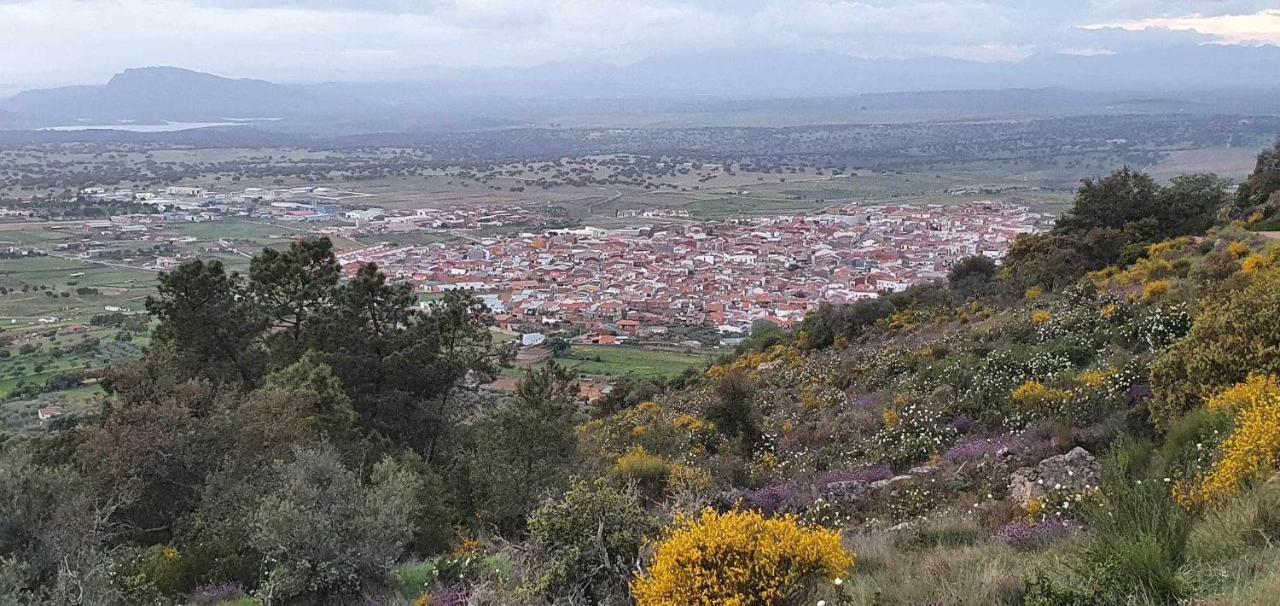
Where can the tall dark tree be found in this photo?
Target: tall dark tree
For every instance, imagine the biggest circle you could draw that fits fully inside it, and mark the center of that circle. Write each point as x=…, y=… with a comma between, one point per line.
x=1263, y=182
x=733, y=411
x=291, y=286
x=399, y=364
x=1113, y=201
x=207, y=319
x=973, y=276
x=1190, y=204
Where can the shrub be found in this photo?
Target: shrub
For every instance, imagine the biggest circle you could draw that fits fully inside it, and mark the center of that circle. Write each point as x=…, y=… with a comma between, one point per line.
x=1154, y=290
x=1231, y=338
x=326, y=533
x=740, y=557
x=1253, y=445
x=733, y=411
x=646, y=470
x=912, y=433
x=154, y=573
x=590, y=540
x=1190, y=445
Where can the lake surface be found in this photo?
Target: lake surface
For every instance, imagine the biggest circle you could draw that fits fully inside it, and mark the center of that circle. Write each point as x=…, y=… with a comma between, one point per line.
x=165, y=127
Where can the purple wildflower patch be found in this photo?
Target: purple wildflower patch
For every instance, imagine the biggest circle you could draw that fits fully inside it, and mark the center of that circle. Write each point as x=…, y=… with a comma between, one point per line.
x=451, y=596
x=1031, y=444
x=1031, y=537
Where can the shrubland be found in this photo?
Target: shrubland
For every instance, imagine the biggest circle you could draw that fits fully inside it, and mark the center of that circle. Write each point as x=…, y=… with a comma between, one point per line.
x=1092, y=420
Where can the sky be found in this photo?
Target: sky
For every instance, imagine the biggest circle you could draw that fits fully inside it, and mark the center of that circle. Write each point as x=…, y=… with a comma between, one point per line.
x=52, y=42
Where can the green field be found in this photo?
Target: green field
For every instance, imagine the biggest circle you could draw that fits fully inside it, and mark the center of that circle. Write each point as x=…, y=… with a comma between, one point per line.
x=20, y=415
x=621, y=360
x=235, y=229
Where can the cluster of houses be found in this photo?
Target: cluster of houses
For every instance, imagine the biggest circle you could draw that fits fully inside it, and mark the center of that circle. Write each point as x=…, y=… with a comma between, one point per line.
x=637, y=281
x=295, y=204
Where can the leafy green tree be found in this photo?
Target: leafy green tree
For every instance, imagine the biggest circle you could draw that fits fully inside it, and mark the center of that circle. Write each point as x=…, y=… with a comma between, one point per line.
x=1190, y=204
x=764, y=334
x=1114, y=218
x=154, y=454
x=823, y=326
x=1263, y=182
x=524, y=449
x=399, y=365
x=973, y=276
x=330, y=407
x=1045, y=260
x=559, y=346
x=1113, y=201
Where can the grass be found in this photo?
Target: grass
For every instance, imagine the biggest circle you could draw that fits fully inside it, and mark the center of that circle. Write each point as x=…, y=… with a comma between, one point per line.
x=630, y=361
x=234, y=229
x=889, y=572
x=411, y=580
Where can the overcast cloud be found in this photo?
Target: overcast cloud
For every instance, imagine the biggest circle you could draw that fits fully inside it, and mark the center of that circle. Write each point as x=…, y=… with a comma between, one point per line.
x=80, y=41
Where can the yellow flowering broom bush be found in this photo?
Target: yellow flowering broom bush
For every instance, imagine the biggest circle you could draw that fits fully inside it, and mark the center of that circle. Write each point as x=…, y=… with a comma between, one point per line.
x=1252, y=446
x=740, y=558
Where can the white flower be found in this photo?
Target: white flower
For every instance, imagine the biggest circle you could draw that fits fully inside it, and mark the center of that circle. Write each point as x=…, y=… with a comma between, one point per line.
x=822, y=603
x=838, y=581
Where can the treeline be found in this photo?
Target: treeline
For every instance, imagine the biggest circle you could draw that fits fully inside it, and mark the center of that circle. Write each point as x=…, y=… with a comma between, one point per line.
x=287, y=431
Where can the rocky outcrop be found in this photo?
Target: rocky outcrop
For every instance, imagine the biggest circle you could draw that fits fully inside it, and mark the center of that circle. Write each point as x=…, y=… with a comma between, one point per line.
x=1073, y=472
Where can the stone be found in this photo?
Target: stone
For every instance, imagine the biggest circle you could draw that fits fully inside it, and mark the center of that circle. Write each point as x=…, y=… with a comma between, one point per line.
x=892, y=484
x=848, y=492
x=923, y=470
x=1073, y=472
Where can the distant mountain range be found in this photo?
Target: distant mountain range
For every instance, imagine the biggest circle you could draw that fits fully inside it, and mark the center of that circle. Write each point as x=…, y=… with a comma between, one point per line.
x=168, y=93
x=1232, y=79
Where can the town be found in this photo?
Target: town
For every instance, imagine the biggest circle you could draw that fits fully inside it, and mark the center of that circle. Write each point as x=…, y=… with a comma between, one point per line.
x=652, y=271
x=638, y=281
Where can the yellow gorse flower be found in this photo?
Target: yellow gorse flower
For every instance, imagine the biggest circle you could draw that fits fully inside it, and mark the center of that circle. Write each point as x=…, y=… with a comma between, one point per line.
x=1157, y=288
x=891, y=418
x=1092, y=378
x=1252, y=446
x=1035, y=507
x=740, y=557
x=1034, y=393
x=1251, y=264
